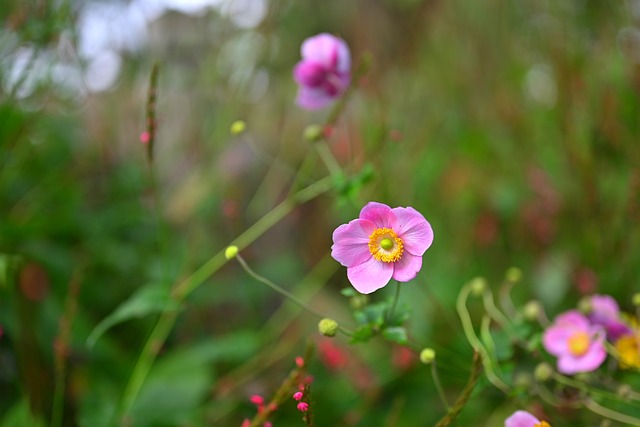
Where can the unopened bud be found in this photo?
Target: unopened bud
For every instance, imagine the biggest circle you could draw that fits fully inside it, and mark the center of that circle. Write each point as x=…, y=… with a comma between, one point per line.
x=328, y=327
x=358, y=302
x=636, y=299
x=624, y=391
x=513, y=275
x=532, y=310
x=238, y=127
x=313, y=133
x=543, y=372
x=478, y=285
x=584, y=305
x=522, y=380
x=427, y=355
x=231, y=252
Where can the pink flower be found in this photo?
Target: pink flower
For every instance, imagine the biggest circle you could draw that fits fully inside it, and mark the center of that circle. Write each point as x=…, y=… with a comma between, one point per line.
x=524, y=419
x=606, y=313
x=383, y=243
x=303, y=407
x=297, y=395
x=578, y=344
x=324, y=71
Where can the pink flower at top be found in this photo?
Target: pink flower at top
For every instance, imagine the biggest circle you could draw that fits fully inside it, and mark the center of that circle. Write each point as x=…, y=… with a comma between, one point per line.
x=382, y=244
x=577, y=343
x=524, y=419
x=605, y=312
x=324, y=72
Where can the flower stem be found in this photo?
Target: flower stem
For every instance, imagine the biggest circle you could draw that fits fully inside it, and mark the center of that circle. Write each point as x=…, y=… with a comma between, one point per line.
x=394, y=303
x=438, y=384
x=184, y=288
x=453, y=413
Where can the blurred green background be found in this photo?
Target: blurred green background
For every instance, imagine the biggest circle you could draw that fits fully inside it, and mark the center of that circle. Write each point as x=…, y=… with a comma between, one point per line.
x=513, y=126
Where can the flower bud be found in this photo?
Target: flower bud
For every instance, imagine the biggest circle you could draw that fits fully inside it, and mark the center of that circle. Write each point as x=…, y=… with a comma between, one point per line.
x=328, y=327
x=313, y=133
x=513, y=275
x=636, y=299
x=358, y=302
x=532, y=310
x=478, y=285
x=522, y=380
x=231, y=252
x=584, y=305
x=427, y=355
x=238, y=127
x=543, y=372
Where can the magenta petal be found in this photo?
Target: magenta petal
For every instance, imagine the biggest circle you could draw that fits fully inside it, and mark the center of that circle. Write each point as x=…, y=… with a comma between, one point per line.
x=414, y=230
x=573, y=319
x=351, y=242
x=313, y=98
x=521, y=419
x=407, y=267
x=309, y=73
x=370, y=276
x=588, y=362
x=328, y=50
x=380, y=214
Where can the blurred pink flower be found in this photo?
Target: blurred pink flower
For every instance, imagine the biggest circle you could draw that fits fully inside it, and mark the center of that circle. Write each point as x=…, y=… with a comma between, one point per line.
x=383, y=243
x=524, y=419
x=606, y=313
x=578, y=344
x=324, y=72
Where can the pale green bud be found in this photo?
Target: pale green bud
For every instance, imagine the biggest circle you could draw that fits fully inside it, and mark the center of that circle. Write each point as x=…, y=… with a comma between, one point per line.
x=543, y=372
x=636, y=299
x=313, y=133
x=427, y=355
x=478, y=285
x=231, y=252
x=532, y=310
x=513, y=275
x=328, y=327
x=584, y=305
x=238, y=127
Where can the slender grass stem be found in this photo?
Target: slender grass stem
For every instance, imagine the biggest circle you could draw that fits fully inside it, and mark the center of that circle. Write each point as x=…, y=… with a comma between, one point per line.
x=438, y=384
x=594, y=407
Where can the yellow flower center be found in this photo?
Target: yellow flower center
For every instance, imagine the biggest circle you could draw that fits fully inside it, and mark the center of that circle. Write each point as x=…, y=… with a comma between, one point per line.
x=628, y=348
x=578, y=343
x=385, y=245
x=542, y=424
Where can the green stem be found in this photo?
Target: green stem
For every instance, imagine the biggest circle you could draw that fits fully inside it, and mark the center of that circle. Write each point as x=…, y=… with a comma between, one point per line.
x=591, y=405
x=182, y=290
x=329, y=159
x=439, y=389
x=453, y=413
x=394, y=303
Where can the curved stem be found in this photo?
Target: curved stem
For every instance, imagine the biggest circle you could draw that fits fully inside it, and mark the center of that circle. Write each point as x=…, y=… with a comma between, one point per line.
x=183, y=289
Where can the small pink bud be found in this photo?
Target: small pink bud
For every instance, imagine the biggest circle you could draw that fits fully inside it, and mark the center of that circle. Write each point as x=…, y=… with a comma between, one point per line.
x=299, y=362
x=246, y=423
x=303, y=406
x=257, y=400
x=268, y=424
x=144, y=137
x=297, y=395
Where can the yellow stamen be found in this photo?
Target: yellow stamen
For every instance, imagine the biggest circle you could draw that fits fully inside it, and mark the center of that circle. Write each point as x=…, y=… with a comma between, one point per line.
x=542, y=424
x=578, y=343
x=385, y=245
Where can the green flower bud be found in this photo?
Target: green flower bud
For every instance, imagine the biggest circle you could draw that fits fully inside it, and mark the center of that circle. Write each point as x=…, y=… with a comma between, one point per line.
x=584, y=305
x=238, y=127
x=358, y=302
x=513, y=275
x=543, y=372
x=522, y=380
x=636, y=299
x=427, y=355
x=231, y=252
x=532, y=310
x=478, y=285
x=328, y=327
x=313, y=133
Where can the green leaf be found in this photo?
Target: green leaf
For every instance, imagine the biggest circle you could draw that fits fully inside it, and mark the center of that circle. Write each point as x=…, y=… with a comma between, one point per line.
x=372, y=314
x=362, y=334
x=396, y=334
x=152, y=298
x=401, y=315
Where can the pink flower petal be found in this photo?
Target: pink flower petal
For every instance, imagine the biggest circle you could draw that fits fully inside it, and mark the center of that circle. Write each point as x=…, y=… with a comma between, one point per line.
x=521, y=419
x=555, y=340
x=370, y=276
x=313, y=98
x=414, y=230
x=380, y=214
x=328, y=50
x=588, y=362
x=351, y=242
x=574, y=319
x=407, y=267
x=309, y=73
